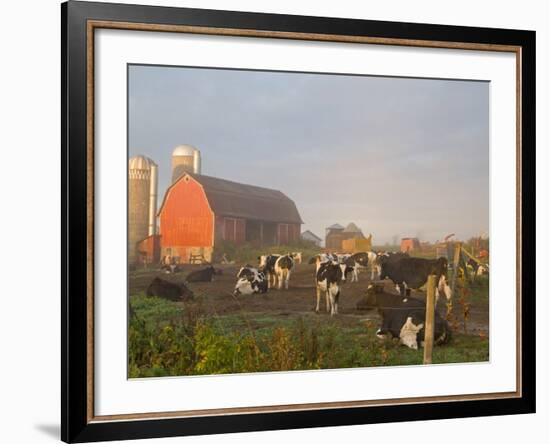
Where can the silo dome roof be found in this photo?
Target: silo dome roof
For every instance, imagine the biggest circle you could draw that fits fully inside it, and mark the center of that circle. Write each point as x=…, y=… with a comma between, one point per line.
x=184, y=150
x=140, y=163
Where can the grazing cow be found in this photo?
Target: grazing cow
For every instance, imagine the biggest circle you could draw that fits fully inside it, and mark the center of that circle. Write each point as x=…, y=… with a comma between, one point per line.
x=390, y=256
x=297, y=256
x=204, y=275
x=368, y=259
x=283, y=268
x=403, y=318
x=340, y=259
x=413, y=272
x=168, y=265
x=327, y=278
x=349, y=265
x=355, y=262
x=320, y=258
x=253, y=282
x=267, y=264
x=483, y=269
x=477, y=268
x=169, y=290
x=345, y=263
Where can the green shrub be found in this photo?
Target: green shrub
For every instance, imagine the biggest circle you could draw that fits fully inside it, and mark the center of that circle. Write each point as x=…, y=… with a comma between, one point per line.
x=171, y=339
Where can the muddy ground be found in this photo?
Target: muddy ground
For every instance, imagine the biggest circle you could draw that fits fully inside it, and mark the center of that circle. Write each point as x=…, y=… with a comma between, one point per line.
x=299, y=299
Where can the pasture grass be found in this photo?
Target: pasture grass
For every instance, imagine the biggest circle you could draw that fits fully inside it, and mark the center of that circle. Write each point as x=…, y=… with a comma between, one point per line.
x=167, y=338
x=479, y=290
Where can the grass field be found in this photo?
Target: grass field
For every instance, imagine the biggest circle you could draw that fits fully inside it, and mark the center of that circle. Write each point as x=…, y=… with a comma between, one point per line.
x=279, y=331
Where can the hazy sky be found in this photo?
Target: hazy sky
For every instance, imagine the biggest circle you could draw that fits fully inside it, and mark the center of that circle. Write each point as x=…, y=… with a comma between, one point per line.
x=399, y=157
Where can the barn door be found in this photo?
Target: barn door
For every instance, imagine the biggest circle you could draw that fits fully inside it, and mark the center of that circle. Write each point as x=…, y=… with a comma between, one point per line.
x=283, y=234
x=229, y=232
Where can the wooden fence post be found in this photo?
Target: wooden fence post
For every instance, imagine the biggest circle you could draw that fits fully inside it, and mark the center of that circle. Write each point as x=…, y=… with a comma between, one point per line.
x=429, y=323
x=456, y=260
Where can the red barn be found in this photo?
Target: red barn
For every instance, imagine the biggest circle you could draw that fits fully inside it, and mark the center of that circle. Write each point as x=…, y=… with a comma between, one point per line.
x=198, y=211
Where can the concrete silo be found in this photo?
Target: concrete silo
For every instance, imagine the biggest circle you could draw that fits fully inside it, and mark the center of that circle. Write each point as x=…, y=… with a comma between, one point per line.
x=142, y=202
x=185, y=159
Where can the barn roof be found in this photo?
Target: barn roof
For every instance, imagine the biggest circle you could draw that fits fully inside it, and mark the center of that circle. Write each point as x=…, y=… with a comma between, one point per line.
x=227, y=198
x=311, y=234
x=335, y=227
x=352, y=228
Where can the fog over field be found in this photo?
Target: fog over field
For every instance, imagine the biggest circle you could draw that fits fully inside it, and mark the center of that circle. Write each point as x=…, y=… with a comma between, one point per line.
x=399, y=157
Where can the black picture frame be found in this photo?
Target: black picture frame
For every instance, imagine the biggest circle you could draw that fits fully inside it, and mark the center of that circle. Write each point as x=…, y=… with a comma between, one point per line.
x=76, y=423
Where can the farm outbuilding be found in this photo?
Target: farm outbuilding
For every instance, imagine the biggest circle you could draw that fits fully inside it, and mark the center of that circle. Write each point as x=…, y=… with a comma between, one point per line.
x=333, y=237
x=410, y=244
x=198, y=211
x=310, y=236
x=337, y=235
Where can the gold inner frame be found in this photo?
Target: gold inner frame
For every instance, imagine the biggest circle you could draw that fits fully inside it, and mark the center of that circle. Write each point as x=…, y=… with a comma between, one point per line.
x=97, y=24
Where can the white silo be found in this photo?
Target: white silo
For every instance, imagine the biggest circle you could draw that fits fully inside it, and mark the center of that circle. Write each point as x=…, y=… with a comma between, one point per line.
x=185, y=159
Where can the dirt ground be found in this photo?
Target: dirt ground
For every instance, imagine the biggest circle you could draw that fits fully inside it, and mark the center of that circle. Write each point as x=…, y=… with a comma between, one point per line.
x=299, y=299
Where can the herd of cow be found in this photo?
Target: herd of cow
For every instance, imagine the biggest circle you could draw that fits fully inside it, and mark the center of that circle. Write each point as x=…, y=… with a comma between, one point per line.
x=402, y=315
x=331, y=269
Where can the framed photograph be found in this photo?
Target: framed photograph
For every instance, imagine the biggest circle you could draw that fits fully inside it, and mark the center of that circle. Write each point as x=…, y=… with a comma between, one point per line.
x=275, y=221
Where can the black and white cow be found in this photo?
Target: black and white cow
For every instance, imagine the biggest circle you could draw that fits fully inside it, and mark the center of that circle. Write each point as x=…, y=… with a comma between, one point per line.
x=367, y=259
x=403, y=318
x=390, y=256
x=252, y=281
x=482, y=270
x=168, y=265
x=169, y=290
x=204, y=275
x=267, y=264
x=413, y=272
x=355, y=262
x=327, y=279
x=346, y=264
x=340, y=259
x=297, y=256
x=247, y=271
x=320, y=258
x=283, y=268
x=477, y=268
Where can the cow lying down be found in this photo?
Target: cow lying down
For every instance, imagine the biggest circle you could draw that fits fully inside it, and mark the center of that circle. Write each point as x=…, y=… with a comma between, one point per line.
x=403, y=318
x=169, y=290
x=250, y=280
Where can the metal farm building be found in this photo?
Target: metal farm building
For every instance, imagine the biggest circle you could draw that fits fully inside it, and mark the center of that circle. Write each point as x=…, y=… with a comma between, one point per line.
x=198, y=211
